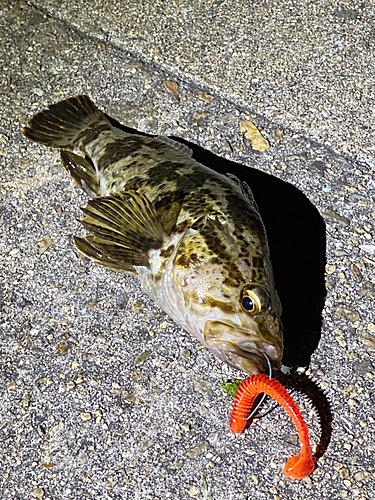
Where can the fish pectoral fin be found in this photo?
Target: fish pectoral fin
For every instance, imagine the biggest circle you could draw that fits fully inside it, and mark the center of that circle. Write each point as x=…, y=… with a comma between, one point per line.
x=82, y=171
x=125, y=227
x=169, y=208
x=95, y=251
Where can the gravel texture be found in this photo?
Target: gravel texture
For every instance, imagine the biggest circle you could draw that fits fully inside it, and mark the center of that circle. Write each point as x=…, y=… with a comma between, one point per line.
x=103, y=397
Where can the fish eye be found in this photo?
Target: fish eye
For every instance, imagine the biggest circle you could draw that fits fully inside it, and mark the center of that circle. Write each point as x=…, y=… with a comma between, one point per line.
x=255, y=300
x=247, y=303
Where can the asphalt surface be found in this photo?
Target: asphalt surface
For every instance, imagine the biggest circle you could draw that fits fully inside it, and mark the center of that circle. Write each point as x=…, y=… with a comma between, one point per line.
x=103, y=397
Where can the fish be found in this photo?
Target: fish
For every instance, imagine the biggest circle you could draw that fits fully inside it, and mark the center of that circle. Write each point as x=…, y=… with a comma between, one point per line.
x=194, y=237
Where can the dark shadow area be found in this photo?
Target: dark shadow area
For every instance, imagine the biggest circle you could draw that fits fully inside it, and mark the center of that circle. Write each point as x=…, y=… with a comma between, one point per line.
x=303, y=384
x=296, y=236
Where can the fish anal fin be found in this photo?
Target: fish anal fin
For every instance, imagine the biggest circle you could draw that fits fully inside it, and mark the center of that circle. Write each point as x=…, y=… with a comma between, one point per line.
x=125, y=227
x=82, y=171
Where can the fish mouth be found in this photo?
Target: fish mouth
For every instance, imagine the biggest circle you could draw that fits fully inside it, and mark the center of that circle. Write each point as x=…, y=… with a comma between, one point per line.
x=242, y=349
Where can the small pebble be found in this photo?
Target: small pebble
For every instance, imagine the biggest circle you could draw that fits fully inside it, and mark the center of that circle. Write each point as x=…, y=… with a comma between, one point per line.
x=145, y=445
x=330, y=268
x=277, y=134
x=330, y=214
x=193, y=491
x=363, y=367
x=197, y=450
x=129, y=397
x=344, y=472
x=341, y=341
x=185, y=353
x=356, y=271
x=352, y=356
x=82, y=458
x=38, y=493
x=142, y=357
x=359, y=476
x=44, y=244
x=368, y=340
x=172, y=87
x=137, y=306
x=205, y=97
x=202, y=386
x=86, y=416
x=345, y=313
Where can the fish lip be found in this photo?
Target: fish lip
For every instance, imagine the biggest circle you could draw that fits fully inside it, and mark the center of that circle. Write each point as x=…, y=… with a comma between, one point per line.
x=257, y=357
x=247, y=345
x=260, y=350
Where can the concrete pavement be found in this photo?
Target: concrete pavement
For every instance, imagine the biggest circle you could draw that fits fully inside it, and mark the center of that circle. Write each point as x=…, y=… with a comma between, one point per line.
x=102, y=395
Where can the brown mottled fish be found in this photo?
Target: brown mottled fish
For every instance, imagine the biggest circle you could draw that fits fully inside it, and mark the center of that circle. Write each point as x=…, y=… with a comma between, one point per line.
x=194, y=237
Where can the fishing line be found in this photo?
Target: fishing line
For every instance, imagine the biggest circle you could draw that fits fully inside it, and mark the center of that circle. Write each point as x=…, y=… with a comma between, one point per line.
x=264, y=395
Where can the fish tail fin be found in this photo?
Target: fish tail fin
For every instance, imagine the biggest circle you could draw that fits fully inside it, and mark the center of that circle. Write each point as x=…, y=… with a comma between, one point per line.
x=65, y=123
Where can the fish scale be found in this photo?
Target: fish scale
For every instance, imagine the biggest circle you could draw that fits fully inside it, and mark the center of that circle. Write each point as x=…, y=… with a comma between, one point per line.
x=193, y=236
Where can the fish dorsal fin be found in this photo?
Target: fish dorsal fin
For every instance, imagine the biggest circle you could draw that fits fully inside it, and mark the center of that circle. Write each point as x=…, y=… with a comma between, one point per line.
x=181, y=148
x=124, y=227
x=243, y=186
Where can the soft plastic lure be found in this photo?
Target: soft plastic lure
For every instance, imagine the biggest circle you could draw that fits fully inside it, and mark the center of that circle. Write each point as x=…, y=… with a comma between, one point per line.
x=297, y=467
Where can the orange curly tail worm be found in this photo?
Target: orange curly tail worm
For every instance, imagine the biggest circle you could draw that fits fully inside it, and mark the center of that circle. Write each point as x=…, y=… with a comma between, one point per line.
x=298, y=466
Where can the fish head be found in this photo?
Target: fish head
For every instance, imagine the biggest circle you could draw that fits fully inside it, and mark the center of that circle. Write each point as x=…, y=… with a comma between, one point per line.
x=250, y=336
x=245, y=330
x=230, y=301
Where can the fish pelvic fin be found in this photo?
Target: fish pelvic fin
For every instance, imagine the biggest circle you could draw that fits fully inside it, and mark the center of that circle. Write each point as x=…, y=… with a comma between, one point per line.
x=63, y=124
x=82, y=171
x=125, y=227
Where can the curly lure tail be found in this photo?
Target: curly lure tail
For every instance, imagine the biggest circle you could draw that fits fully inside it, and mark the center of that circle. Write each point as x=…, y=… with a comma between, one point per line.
x=297, y=467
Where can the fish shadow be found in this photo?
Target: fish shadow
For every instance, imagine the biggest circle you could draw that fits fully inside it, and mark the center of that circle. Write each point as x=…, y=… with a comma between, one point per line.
x=318, y=400
x=303, y=384
x=296, y=236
